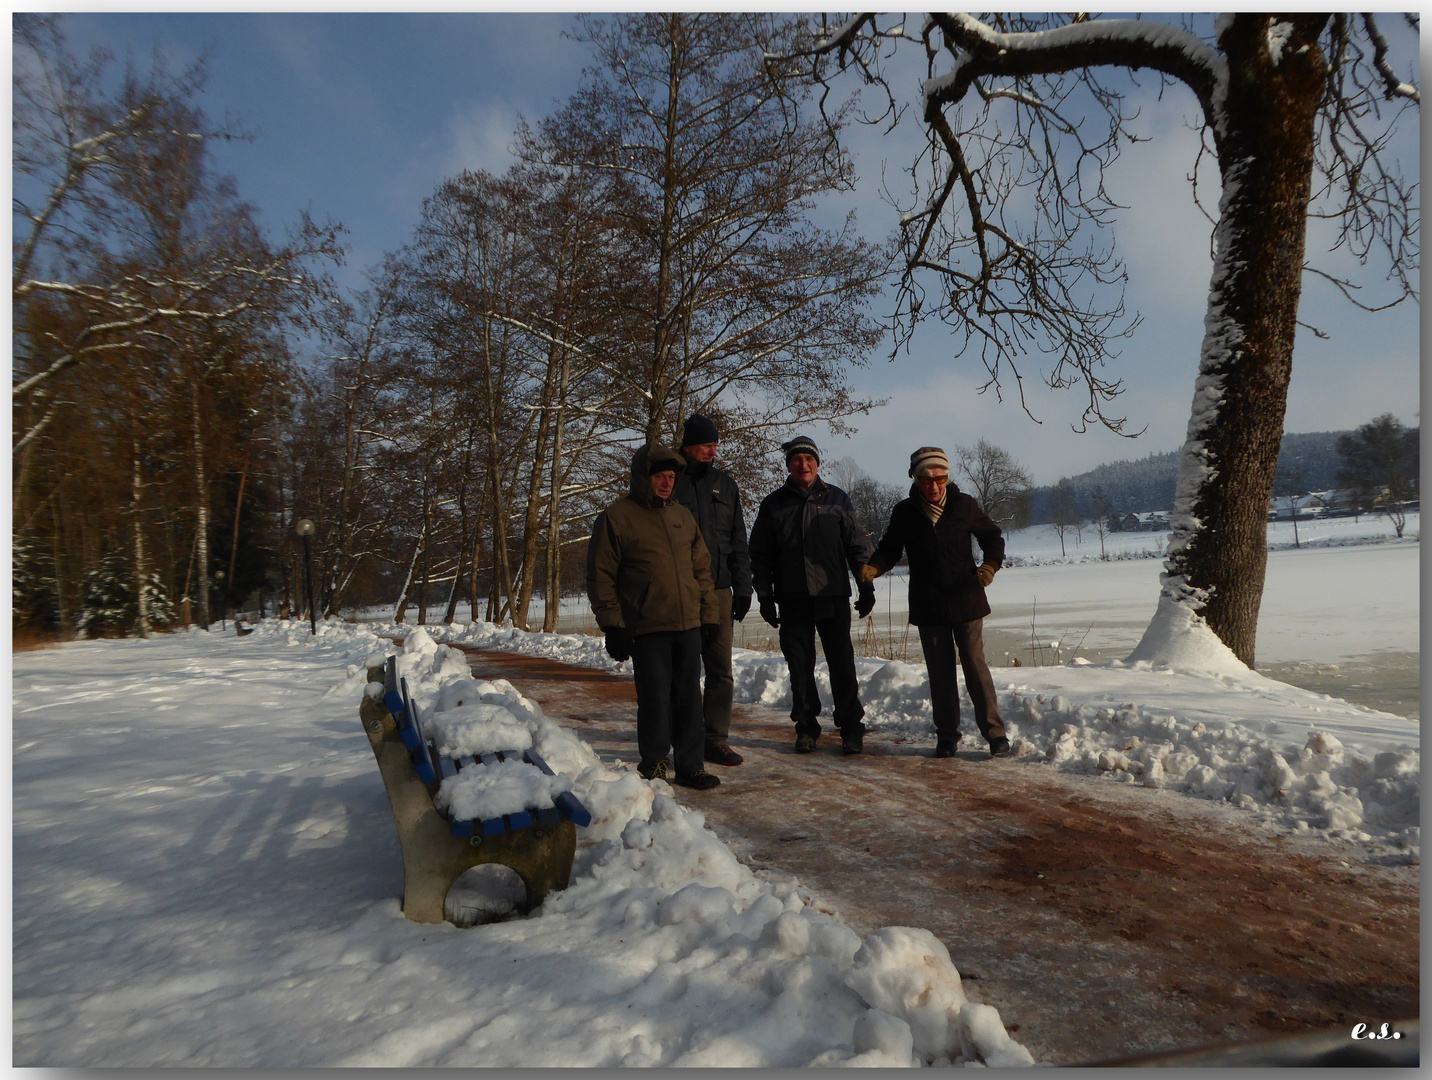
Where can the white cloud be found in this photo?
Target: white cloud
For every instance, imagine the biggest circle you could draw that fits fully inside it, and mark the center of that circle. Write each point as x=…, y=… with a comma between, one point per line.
x=478, y=135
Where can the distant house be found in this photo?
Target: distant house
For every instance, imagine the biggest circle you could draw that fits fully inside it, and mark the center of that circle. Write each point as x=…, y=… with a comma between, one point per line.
x=1285, y=507
x=1153, y=520
x=1123, y=522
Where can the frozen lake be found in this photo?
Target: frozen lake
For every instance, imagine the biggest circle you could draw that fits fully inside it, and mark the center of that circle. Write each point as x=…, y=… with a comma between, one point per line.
x=1340, y=614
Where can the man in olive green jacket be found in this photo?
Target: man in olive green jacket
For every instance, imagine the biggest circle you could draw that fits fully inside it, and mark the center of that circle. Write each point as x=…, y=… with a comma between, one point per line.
x=649, y=584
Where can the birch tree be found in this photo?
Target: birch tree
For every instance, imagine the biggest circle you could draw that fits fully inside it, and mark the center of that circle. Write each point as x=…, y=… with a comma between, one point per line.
x=1024, y=113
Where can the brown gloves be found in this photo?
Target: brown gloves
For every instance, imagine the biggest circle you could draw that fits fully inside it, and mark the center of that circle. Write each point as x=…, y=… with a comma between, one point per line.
x=868, y=574
x=986, y=573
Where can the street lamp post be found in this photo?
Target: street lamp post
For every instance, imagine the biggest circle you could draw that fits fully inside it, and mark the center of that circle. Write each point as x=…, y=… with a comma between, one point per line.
x=304, y=527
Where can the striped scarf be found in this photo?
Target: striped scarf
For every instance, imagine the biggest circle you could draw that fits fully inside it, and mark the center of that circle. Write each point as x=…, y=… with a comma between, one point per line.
x=934, y=510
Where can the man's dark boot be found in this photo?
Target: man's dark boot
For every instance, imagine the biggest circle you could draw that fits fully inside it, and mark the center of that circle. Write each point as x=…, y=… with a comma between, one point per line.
x=998, y=747
x=723, y=755
x=946, y=747
x=853, y=743
x=805, y=744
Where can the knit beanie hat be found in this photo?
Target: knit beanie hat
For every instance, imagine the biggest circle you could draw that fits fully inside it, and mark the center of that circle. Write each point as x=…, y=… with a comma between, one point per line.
x=697, y=430
x=801, y=444
x=928, y=459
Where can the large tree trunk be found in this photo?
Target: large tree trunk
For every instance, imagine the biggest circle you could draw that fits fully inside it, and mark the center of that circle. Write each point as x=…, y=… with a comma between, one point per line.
x=1218, y=550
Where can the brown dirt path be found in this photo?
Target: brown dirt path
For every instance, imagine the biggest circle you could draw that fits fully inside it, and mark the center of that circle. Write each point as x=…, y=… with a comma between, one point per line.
x=1101, y=920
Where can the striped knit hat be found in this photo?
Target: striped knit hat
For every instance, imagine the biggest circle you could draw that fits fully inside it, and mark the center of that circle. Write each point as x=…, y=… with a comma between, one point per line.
x=927, y=459
x=801, y=444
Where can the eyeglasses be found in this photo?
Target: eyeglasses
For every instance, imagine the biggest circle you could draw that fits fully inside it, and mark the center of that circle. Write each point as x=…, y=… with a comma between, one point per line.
x=934, y=481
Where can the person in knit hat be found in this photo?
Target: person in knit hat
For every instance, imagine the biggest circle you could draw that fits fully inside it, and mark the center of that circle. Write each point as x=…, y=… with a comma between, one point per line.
x=649, y=584
x=715, y=501
x=934, y=527
x=805, y=544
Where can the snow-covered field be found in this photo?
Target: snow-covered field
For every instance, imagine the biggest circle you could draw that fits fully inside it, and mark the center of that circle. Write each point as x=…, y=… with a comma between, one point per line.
x=206, y=873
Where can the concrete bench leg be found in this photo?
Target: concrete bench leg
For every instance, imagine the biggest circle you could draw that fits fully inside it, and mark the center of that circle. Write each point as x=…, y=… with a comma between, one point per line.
x=433, y=858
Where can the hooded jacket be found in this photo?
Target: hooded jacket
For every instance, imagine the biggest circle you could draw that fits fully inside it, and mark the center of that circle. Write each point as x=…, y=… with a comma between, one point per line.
x=943, y=588
x=647, y=567
x=803, y=542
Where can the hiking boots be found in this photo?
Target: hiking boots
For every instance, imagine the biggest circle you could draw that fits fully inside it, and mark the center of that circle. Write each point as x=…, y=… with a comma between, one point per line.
x=723, y=755
x=998, y=747
x=854, y=743
x=701, y=781
x=805, y=744
x=946, y=747
x=652, y=770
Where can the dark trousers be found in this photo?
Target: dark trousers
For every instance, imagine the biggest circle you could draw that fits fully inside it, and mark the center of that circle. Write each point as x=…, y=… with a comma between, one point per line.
x=720, y=685
x=666, y=667
x=940, y=644
x=801, y=620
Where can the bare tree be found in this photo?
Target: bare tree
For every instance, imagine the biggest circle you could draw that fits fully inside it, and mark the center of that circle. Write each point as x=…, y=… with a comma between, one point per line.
x=998, y=483
x=1024, y=114
x=1380, y=465
x=1063, y=510
x=1100, y=509
x=713, y=174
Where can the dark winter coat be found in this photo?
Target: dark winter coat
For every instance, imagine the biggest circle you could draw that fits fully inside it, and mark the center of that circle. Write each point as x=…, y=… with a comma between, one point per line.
x=802, y=542
x=647, y=566
x=715, y=501
x=943, y=588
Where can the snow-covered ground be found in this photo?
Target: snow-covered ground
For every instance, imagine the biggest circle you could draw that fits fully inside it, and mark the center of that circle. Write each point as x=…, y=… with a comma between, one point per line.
x=205, y=870
x=206, y=873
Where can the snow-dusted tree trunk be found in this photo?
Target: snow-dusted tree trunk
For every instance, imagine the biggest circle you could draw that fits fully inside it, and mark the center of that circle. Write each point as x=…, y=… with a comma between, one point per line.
x=1264, y=134
x=201, y=506
x=141, y=570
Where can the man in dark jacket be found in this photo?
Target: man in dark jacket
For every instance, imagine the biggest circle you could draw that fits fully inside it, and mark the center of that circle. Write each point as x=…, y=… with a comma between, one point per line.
x=947, y=592
x=715, y=501
x=649, y=584
x=802, y=542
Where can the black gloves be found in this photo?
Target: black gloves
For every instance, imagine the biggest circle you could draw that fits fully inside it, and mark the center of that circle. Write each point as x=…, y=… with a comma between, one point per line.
x=708, y=634
x=618, y=643
x=865, y=604
x=739, y=606
x=768, y=611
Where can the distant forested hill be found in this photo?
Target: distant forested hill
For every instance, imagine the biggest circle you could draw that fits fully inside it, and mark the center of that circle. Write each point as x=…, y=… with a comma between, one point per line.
x=1308, y=461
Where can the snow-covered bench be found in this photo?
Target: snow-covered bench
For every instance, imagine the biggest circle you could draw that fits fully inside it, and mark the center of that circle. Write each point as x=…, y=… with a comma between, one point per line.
x=536, y=842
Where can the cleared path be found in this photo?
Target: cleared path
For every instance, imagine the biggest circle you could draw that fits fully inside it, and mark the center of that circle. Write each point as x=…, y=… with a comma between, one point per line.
x=1101, y=920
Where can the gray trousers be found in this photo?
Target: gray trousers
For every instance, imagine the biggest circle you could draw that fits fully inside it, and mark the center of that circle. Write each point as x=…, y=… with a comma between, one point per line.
x=716, y=659
x=940, y=644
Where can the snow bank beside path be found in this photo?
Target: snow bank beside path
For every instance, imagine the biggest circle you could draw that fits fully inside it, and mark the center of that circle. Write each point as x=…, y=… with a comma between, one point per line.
x=1210, y=729
x=206, y=873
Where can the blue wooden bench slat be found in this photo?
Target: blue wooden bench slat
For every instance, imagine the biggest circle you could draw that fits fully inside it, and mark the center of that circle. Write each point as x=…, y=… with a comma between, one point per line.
x=532, y=758
x=520, y=820
x=572, y=809
x=422, y=758
x=446, y=767
x=548, y=815
x=489, y=759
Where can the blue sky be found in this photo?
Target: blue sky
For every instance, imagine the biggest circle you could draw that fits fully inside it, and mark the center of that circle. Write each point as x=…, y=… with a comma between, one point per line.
x=358, y=116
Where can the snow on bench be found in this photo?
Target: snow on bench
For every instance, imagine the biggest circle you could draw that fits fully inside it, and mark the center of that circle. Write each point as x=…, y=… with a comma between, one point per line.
x=454, y=813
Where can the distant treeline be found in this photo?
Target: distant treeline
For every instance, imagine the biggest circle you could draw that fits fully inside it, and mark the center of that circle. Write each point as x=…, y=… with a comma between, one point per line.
x=1308, y=461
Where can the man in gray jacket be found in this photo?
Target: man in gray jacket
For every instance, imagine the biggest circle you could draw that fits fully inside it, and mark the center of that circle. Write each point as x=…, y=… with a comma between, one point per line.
x=715, y=501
